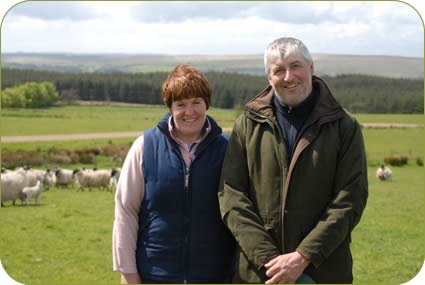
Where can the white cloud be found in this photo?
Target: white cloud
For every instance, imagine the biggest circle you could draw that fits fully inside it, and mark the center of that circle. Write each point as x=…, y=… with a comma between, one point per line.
x=53, y=10
x=212, y=27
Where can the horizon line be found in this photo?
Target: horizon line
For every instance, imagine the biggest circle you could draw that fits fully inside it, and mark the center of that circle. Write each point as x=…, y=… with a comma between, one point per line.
x=189, y=54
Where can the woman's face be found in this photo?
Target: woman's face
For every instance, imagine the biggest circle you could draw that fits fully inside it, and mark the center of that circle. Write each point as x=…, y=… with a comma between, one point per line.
x=189, y=116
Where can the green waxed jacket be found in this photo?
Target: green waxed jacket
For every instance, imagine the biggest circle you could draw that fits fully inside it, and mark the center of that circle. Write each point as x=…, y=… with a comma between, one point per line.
x=310, y=204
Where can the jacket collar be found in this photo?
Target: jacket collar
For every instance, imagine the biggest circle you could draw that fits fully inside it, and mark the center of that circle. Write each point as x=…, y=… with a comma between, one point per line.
x=326, y=106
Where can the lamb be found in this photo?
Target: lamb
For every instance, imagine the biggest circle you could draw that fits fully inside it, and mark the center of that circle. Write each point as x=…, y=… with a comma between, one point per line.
x=47, y=177
x=12, y=184
x=384, y=173
x=92, y=178
x=64, y=177
x=32, y=192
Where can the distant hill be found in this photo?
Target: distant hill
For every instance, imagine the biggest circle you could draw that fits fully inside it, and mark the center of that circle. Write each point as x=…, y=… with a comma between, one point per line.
x=325, y=64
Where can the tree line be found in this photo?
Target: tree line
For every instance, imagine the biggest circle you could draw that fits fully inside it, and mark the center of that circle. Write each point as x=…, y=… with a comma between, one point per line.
x=357, y=93
x=29, y=95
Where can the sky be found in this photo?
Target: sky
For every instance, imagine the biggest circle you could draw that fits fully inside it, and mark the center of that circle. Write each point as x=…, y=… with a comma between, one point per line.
x=218, y=27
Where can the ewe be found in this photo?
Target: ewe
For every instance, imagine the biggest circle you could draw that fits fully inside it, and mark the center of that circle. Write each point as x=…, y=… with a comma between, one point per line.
x=92, y=178
x=64, y=177
x=49, y=179
x=115, y=175
x=12, y=184
x=384, y=173
x=32, y=192
x=35, y=175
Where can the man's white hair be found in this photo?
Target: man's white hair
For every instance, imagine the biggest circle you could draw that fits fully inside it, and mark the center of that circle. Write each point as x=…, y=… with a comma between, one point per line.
x=282, y=48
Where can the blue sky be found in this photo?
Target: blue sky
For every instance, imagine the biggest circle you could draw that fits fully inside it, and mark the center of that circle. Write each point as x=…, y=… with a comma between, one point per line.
x=243, y=27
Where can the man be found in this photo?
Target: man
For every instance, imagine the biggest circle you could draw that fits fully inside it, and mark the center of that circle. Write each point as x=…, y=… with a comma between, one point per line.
x=294, y=180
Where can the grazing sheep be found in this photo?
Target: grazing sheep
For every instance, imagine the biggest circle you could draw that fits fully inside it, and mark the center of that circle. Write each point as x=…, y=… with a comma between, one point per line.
x=64, y=177
x=116, y=172
x=32, y=192
x=384, y=173
x=115, y=175
x=92, y=178
x=35, y=175
x=49, y=179
x=12, y=184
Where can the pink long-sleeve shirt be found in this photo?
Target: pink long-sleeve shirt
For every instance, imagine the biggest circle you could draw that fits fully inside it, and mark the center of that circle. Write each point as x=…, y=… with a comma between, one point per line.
x=129, y=197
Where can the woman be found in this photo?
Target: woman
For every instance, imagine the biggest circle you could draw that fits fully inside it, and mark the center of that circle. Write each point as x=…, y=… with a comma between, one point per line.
x=167, y=226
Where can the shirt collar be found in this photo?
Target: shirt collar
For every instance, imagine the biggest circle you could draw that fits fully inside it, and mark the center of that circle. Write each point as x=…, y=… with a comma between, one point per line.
x=206, y=129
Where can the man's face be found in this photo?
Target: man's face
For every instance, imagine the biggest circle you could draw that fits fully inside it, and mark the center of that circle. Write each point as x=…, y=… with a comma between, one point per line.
x=291, y=79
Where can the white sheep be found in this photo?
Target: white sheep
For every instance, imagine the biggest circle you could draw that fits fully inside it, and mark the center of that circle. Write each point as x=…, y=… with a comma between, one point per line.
x=64, y=177
x=384, y=173
x=32, y=192
x=12, y=184
x=92, y=178
x=4, y=170
x=35, y=175
x=116, y=172
x=115, y=175
x=49, y=179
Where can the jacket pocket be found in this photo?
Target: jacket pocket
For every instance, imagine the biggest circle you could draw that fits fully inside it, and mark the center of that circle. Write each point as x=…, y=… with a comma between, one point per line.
x=272, y=224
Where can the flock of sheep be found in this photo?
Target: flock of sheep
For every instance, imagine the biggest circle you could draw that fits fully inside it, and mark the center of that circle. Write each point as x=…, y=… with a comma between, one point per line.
x=27, y=183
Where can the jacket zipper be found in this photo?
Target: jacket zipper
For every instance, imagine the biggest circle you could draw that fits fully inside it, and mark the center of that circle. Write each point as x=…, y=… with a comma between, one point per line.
x=284, y=169
x=186, y=178
x=187, y=171
x=186, y=222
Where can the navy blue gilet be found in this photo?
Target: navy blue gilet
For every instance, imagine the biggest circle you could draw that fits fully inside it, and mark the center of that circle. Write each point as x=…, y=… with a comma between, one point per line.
x=181, y=237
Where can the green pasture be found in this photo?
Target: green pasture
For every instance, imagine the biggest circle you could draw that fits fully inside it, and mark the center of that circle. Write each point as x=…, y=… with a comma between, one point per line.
x=67, y=239
x=97, y=119
x=381, y=143
x=90, y=119
x=416, y=119
x=387, y=244
x=72, y=144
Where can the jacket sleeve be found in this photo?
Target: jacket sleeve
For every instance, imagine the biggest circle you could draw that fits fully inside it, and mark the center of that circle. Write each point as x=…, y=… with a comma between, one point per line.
x=350, y=195
x=237, y=209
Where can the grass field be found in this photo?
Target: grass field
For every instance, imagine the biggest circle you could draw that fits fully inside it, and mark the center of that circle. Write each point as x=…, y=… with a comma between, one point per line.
x=90, y=119
x=381, y=143
x=97, y=119
x=67, y=239
x=388, y=245
x=391, y=118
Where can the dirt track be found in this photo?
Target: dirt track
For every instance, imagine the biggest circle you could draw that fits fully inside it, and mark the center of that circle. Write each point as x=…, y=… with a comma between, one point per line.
x=38, y=138
x=67, y=137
